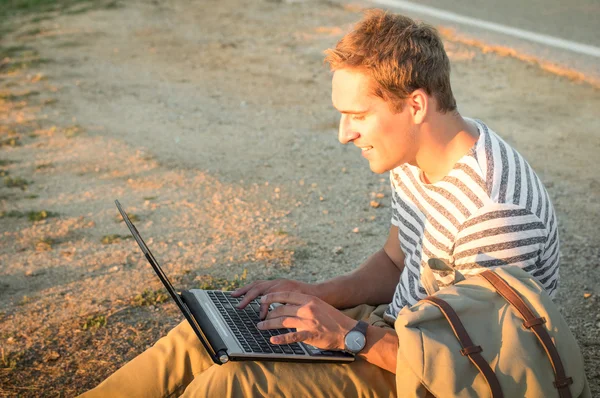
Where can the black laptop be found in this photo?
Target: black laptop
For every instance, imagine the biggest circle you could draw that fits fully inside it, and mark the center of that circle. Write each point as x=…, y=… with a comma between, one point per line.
x=229, y=334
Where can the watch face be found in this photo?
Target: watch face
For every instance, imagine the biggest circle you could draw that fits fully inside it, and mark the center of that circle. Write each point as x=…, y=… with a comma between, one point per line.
x=355, y=341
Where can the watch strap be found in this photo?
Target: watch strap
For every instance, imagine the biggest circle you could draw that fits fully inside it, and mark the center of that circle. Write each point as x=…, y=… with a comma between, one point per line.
x=362, y=327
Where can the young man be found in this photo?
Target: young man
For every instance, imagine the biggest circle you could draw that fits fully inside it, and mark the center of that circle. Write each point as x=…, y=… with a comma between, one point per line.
x=460, y=194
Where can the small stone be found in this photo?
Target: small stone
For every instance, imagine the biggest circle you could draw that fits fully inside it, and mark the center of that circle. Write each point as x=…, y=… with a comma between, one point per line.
x=338, y=250
x=380, y=195
x=375, y=204
x=355, y=230
x=321, y=198
x=325, y=211
x=587, y=295
x=29, y=273
x=52, y=356
x=114, y=269
x=10, y=340
x=276, y=190
x=344, y=170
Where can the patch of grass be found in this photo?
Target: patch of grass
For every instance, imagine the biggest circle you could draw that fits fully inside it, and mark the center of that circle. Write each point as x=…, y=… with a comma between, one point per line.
x=50, y=101
x=13, y=51
x=40, y=215
x=113, y=238
x=31, y=196
x=8, y=96
x=73, y=131
x=11, y=141
x=4, y=162
x=17, y=65
x=69, y=44
x=3, y=173
x=209, y=282
x=302, y=254
x=133, y=217
x=41, y=10
x=12, y=214
x=112, y=5
x=25, y=300
x=45, y=244
x=94, y=322
x=31, y=215
x=149, y=297
x=281, y=232
x=150, y=197
x=43, y=166
x=9, y=360
x=16, y=182
x=32, y=32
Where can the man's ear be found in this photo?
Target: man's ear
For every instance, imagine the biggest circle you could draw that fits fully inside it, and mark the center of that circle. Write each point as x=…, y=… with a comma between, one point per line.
x=418, y=104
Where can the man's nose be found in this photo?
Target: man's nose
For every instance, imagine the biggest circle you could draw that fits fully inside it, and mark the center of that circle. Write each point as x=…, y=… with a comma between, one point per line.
x=346, y=134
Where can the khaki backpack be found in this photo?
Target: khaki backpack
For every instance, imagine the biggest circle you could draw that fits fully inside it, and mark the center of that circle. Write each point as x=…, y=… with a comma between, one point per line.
x=499, y=352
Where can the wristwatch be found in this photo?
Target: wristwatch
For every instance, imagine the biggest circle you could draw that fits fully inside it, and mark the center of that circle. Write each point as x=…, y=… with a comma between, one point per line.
x=356, y=339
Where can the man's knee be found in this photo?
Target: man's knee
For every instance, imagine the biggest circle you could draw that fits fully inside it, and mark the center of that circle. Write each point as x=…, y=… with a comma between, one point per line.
x=234, y=379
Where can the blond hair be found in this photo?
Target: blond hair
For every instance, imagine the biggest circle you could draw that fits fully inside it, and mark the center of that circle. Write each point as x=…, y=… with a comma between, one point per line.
x=401, y=56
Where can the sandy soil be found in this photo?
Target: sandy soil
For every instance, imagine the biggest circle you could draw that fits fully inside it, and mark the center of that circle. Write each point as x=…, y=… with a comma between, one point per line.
x=212, y=123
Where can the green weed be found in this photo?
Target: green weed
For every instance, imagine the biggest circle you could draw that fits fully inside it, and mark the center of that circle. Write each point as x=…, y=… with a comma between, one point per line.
x=149, y=297
x=73, y=131
x=11, y=141
x=16, y=182
x=8, y=96
x=94, y=322
x=12, y=214
x=301, y=254
x=113, y=238
x=40, y=215
x=209, y=282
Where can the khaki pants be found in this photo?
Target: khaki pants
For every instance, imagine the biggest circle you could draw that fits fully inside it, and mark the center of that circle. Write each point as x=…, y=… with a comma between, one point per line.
x=178, y=365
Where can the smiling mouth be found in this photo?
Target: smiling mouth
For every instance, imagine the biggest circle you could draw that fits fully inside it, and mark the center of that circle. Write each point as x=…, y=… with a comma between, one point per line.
x=366, y=148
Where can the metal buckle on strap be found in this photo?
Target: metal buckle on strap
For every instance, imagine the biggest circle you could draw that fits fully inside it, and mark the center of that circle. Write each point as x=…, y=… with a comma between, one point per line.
x=534, y=322
x=562, y=383
x=474, y=349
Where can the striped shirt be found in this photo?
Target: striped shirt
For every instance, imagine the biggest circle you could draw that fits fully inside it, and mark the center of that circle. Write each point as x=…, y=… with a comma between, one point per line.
x=490, y=210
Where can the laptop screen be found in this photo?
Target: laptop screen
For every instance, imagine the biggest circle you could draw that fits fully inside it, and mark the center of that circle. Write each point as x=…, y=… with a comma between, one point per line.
x=165, y=280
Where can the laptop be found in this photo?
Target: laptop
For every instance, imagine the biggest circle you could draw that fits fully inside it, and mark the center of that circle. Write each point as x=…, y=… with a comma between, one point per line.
x=229, y=334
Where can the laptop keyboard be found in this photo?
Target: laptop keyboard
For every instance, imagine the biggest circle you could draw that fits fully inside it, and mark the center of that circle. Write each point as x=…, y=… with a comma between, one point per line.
x=243, y=324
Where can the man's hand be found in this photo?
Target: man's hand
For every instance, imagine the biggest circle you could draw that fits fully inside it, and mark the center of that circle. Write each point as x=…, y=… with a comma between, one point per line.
x=316, y=322
x=259, y=288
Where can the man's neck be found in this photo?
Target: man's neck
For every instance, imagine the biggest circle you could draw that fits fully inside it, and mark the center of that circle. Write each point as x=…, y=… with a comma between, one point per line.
x=443, y=140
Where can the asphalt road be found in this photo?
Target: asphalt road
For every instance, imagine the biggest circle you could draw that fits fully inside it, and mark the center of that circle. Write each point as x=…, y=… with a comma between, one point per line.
x=575, y=21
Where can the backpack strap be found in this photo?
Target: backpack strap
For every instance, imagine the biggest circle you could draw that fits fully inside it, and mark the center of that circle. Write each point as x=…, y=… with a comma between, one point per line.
x=468, y=348
x=561, y=381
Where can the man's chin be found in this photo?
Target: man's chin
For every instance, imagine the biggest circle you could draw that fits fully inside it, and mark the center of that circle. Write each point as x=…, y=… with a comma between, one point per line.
x=378, y=169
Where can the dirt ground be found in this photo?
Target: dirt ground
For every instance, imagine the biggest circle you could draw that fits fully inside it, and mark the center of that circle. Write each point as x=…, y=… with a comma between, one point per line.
x=211, y=121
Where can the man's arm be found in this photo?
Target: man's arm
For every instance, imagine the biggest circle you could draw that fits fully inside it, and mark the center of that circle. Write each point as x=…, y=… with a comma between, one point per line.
x=382, y=348
x=374, y=282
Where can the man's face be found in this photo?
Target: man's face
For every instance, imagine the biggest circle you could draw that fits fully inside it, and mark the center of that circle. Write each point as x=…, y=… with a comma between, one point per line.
x=385, y=138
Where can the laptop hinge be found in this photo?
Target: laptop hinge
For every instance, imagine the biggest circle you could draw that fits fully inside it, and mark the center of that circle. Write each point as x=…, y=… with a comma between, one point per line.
x=210, y=334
